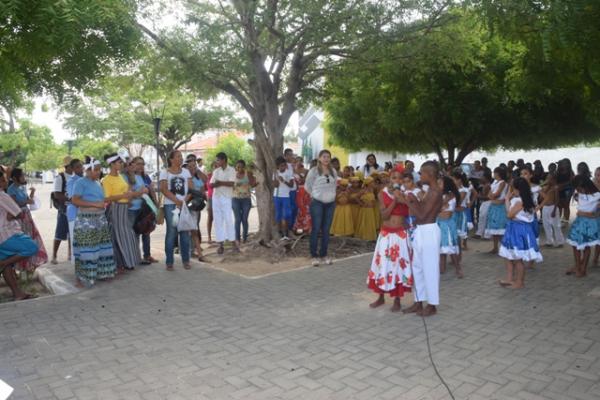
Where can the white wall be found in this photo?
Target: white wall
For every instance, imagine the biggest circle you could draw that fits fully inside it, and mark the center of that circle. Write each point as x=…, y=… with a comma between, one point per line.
x=590, y=155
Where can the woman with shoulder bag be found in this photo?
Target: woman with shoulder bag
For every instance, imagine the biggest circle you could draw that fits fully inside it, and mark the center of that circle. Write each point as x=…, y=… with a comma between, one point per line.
x=175, y=183
x=197, y=203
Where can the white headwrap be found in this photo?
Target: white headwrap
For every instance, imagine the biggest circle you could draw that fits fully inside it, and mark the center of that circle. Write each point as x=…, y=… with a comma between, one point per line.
x=91, y=164
x=112, y=159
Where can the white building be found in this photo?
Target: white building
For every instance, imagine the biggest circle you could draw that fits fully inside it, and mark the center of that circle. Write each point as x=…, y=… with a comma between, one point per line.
x=313, y=138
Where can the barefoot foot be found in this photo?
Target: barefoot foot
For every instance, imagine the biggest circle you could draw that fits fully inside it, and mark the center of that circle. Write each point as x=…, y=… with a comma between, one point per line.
x=379, y=302
x=396, y=307
x=517, y=286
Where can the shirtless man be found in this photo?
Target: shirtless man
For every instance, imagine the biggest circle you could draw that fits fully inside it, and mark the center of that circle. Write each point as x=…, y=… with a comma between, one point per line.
x=426, y=243
x=550, y=213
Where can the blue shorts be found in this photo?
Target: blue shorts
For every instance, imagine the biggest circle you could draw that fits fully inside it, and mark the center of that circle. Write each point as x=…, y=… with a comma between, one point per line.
x=18, y=245
x=62, y=226
x=283, y=209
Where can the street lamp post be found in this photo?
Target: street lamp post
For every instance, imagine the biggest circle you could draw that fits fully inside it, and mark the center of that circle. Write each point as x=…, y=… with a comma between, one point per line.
x=70, y=145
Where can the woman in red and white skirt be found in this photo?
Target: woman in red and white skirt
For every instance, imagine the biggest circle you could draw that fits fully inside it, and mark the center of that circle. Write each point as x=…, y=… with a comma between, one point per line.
x=391, y=271
x=303, y=222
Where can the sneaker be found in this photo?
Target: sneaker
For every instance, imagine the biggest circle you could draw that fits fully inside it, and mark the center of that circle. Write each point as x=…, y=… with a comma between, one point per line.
x=315, y=262
x=328, y=260
x=285, y=239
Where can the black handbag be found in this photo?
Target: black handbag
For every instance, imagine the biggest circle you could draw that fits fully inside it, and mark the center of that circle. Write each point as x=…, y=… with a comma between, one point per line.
x=145, y=222
x=198, y=201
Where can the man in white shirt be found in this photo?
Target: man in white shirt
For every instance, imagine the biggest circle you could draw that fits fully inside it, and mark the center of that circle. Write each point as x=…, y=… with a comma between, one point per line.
x=59, y=200
x=222, y=181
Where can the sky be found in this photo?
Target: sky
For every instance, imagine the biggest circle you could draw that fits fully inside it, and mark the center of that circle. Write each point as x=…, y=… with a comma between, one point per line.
x=49, y=118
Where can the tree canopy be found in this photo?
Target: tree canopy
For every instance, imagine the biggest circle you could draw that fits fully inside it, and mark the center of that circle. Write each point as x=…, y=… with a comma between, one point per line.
x=235, y=147
x=271, y=57
x=563, y=38
x=57, y=46
x=122, y=105
x=458, y=89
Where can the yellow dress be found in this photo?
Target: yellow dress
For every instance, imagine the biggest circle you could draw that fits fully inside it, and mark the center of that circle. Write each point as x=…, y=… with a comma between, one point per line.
x=343, y=222
x=367, y=230
x=353, y=200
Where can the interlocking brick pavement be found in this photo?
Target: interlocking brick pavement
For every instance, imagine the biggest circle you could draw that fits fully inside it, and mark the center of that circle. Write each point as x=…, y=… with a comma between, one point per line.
x=307, y=334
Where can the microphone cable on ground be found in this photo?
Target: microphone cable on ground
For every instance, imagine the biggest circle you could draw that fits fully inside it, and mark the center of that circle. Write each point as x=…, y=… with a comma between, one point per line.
x=433, y=362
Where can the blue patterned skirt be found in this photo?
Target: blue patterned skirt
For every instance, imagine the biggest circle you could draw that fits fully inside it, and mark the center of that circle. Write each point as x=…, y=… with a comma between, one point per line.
x=92, y=247
x=584, y=232
x=519, y=242
x=450, y=240
x=462, y=223
x=496, y=220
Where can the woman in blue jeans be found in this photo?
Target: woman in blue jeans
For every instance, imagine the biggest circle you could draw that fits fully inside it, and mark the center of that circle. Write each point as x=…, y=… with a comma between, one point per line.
x=321, y=184
x=242, y=201
x=175, y=183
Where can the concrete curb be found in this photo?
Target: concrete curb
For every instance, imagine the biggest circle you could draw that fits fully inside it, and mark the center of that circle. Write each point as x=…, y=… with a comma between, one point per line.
x=54, y=283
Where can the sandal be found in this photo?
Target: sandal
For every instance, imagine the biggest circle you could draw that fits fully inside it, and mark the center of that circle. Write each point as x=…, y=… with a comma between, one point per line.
x=504, y=283
x=187, y=266
x=202, y=259
x=221, y=250
x=170, y=268
x=151, y=260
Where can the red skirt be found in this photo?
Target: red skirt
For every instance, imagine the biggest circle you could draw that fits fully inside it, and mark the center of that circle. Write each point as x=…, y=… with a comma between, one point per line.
x=303, y=221
x=391, y=270
x=29, y=228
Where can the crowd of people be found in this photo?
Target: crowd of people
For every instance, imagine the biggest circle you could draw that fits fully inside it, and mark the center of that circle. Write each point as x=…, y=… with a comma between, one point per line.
x=107, y=211
x=425, y=223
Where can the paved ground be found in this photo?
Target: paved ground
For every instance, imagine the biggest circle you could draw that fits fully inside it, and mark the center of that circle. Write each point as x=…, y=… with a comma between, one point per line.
x=309, y=334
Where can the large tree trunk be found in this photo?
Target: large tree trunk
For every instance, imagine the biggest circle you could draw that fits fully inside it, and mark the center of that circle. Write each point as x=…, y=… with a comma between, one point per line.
x=268, y=144
x=466, y=149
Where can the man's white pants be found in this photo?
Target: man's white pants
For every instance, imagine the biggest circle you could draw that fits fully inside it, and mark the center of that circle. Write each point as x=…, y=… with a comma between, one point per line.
x=483, y=213
x=554, y=235
x=223, y=218
x=426, y=263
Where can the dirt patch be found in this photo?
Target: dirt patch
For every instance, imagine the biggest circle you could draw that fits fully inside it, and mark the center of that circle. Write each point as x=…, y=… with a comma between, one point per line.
x=256, y=260
x=32, y=286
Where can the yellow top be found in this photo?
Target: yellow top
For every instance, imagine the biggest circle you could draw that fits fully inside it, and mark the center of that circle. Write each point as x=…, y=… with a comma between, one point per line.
x=115, y=185
x=368, y=198
x=342, y=198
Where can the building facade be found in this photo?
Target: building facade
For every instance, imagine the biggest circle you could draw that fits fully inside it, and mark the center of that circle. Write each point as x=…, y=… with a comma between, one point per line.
x=314, y=138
